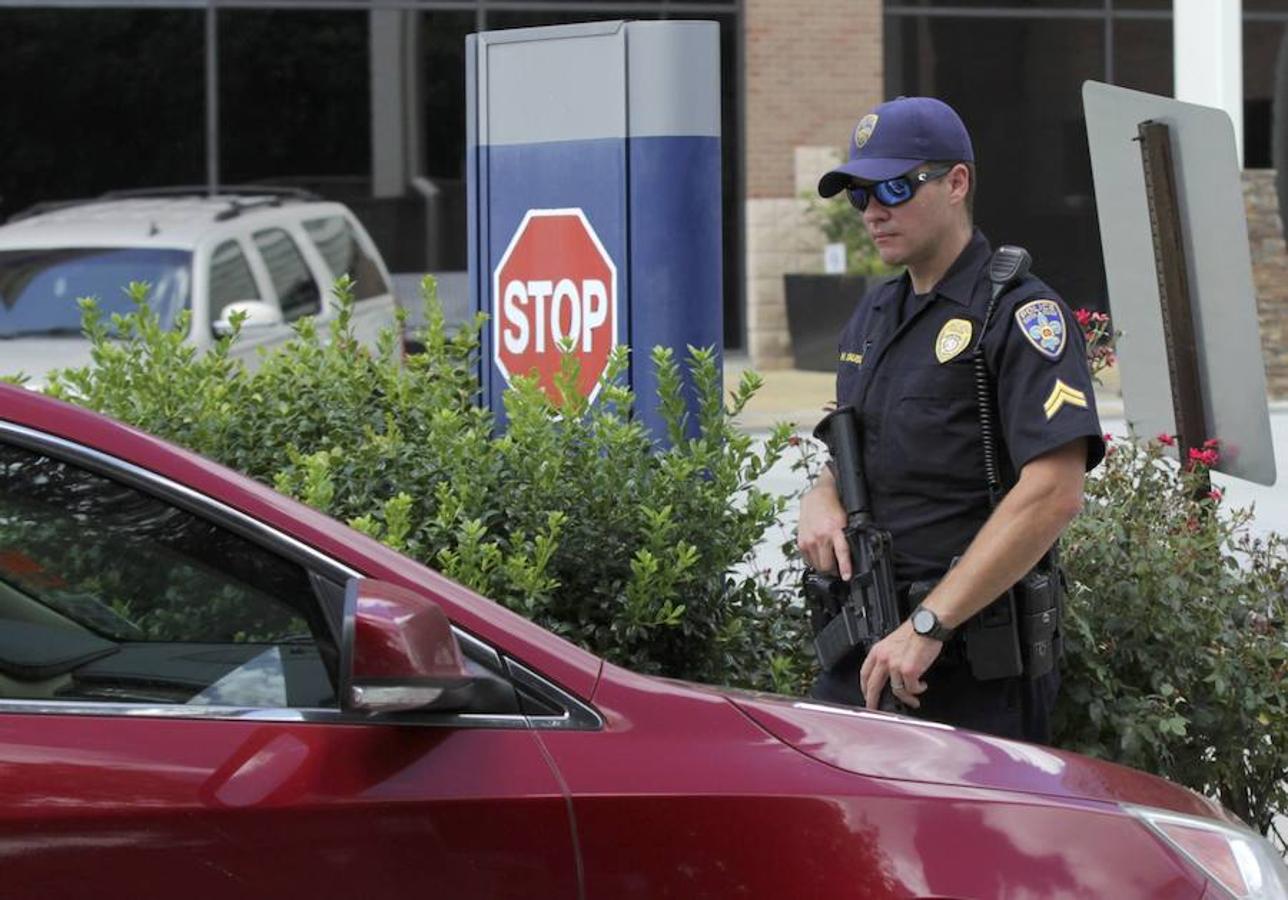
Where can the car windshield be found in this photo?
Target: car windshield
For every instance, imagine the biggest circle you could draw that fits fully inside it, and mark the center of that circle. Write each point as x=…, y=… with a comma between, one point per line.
x=39, y=287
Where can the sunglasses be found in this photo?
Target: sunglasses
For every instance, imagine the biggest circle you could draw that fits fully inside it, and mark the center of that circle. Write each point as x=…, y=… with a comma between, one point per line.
x=893, y=191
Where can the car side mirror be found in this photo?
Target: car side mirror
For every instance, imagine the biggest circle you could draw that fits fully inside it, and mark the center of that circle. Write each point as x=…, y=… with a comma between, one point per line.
x=258, y=315
x=398, y=652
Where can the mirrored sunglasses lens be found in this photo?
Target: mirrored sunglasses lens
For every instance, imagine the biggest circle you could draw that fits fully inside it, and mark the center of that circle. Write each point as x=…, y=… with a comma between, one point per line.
x=894, y=191
x=858, y=197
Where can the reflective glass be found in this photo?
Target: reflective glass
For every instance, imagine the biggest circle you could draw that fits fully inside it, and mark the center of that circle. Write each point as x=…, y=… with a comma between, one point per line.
x=1024, y=113
x=39, y=288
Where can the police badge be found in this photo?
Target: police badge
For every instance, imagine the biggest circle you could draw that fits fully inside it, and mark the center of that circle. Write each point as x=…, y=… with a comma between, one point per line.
x=864, y=130
x=1043, y=324
x=952, y=340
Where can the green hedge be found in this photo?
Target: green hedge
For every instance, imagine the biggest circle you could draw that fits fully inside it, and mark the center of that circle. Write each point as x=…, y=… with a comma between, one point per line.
x=574, y=516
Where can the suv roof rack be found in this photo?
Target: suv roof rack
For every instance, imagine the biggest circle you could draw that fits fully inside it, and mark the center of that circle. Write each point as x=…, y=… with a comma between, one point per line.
x=223, y=190
x=266, y=194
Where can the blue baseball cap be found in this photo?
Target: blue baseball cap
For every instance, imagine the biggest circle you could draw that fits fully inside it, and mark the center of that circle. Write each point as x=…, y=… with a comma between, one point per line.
x=898, y=136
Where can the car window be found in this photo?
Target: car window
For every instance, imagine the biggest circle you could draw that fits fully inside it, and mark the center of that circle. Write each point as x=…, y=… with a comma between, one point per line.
x=230, y=279
x=338, y=243
x=296, y=290
x=110, y=594
x=39, y=287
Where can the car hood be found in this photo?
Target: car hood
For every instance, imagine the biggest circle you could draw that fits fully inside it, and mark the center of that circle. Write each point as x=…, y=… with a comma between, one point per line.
x=36, y=357
x=882, y=745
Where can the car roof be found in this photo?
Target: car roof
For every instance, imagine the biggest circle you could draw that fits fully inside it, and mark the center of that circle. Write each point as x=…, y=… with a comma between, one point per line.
x=164, y=222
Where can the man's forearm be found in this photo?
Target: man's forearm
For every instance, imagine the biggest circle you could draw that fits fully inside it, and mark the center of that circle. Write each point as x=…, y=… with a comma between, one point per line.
x=1022, y=528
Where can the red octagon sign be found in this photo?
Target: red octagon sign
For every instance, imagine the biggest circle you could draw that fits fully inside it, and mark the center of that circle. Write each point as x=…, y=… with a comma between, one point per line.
x=555, y=284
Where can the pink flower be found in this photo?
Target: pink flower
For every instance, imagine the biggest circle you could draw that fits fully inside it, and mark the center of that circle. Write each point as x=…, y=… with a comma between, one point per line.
x=1108, y=437
x=1211, y=443
x=1215, y=495
x=1168, y=440
x=1084, y=317
x=1207, y=457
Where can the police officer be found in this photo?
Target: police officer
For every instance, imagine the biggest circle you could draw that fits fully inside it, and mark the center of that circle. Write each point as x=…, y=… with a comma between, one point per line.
x=906, y=367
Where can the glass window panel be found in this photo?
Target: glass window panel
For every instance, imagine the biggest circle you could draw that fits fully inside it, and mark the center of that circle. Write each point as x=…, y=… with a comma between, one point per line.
x=1047, y=5
x=297, y=292
x=1143, y=55
x=230, y=279
x=1024, y=112
x=1263, y=42
x=39, y=288
x=294, y=95
x=107, y=593
x=114, y=99
x=336, y=241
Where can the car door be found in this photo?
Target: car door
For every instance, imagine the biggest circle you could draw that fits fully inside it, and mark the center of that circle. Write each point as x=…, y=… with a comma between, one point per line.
x=169, y=726
x=344, y=250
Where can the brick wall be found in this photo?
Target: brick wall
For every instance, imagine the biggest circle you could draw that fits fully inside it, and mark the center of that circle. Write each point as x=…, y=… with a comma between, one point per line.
x=812, y=69
x=1269, y=275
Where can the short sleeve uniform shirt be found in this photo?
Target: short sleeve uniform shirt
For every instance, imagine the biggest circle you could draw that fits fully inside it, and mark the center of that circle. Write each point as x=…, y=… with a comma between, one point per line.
x=913, y=385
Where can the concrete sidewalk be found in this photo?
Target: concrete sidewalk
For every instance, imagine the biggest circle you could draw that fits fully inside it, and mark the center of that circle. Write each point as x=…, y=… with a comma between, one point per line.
x=799, y=397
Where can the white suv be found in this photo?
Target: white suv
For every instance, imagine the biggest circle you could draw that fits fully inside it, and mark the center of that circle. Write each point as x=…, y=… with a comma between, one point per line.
x=270, y=253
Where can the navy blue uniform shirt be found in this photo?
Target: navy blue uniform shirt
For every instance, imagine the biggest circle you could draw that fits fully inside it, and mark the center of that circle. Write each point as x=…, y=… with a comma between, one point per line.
x=913, y=386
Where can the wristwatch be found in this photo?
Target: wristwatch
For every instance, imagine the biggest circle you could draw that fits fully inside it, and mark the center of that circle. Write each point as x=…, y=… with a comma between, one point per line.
x=926, y=624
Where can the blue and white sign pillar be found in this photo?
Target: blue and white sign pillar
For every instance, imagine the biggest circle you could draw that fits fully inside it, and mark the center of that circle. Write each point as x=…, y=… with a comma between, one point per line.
x=593, y=163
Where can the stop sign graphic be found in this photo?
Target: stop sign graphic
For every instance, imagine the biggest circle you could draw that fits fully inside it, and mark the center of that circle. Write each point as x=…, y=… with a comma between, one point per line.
x=554, y=286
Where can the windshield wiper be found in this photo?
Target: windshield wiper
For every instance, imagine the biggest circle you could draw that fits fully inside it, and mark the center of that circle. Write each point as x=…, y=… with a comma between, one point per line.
x=42, y=332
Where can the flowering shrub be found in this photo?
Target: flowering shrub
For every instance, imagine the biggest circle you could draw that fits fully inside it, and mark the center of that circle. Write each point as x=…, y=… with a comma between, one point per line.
x=1099, y=338
x=1176, y=655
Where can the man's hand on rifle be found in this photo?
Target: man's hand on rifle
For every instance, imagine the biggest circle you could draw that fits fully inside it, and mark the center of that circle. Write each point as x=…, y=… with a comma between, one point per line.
x=820, y=534
x=902, y=657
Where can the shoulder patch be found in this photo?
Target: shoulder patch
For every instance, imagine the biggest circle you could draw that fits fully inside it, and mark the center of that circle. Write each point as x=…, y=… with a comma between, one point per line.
x=1042, y=324
x=953, y=338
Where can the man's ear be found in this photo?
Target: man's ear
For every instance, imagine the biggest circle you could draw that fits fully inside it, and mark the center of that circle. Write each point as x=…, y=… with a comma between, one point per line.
x=959, y=183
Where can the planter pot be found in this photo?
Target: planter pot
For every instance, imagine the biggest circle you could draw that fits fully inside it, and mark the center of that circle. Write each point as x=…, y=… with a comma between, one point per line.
x=818, y=307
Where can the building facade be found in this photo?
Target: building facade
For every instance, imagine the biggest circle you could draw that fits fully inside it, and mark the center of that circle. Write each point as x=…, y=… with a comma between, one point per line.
x=364, y=100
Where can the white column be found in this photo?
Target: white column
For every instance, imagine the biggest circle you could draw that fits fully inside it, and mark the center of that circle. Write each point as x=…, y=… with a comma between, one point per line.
x=1208, y=42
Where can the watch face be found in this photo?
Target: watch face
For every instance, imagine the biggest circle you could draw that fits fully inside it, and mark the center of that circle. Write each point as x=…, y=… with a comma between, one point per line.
x=923, y=622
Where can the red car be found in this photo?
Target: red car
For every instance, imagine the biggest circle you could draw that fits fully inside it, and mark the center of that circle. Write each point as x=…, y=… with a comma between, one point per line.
x=209, y=690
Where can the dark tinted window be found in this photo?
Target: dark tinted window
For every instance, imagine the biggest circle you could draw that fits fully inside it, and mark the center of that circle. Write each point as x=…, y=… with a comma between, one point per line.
x=39, y=288
x=107, y=593
x=338, y=244
x=230, y=278
x=296, y=290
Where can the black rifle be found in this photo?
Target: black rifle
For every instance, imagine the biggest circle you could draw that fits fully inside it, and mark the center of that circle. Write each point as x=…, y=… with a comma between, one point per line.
x=857, y=613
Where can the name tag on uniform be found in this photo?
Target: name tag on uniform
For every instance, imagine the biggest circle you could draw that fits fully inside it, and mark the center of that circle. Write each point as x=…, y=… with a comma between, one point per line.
x=856, y=358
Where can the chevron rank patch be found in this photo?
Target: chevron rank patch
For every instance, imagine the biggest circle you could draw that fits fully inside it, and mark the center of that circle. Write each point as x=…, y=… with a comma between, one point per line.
x=1061, y=394
x=953, y=339
x=1043, y=326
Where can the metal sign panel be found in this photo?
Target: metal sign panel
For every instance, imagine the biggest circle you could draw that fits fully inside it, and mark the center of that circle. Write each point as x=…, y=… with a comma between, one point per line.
x=1215, y=234
x=619, y=123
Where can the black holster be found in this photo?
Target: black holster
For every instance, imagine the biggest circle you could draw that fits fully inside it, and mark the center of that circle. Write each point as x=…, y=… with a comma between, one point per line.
x=1016, y=634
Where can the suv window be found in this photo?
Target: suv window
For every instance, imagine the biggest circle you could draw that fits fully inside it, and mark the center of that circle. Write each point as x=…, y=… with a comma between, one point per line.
x=230, y=279
x=338, y=243
x=39, y=287
x=110, y=594
x=296, y=290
